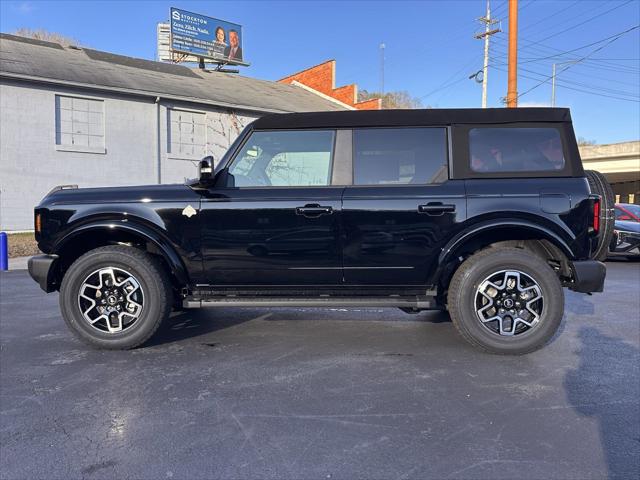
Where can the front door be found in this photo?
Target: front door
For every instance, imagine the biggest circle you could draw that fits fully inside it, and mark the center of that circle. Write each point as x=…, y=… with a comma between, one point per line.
x=401, y=208
x=279, y=224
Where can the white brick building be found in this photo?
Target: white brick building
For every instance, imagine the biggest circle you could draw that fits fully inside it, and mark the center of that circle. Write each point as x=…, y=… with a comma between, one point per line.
x=80, y=116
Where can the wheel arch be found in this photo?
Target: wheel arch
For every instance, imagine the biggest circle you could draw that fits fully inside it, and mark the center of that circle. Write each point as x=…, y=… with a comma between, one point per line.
x=538, y=239
x=124, y=232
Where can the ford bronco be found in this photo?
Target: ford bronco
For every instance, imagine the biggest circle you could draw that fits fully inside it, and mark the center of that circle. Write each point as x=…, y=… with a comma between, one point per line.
x=485, y=213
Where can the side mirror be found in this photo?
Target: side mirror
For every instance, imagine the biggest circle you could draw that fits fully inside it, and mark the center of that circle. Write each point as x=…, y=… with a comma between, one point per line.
x=205, y=169
x=224, y=179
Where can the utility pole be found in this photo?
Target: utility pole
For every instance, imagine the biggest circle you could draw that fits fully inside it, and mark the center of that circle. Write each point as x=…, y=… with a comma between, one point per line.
x=488, y=23
x=382, y=47
x=553, y=86
x=553, y=79
x=512, y=86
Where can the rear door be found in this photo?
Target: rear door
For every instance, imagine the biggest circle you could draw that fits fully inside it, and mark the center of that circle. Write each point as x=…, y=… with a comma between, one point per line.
x=401, y=208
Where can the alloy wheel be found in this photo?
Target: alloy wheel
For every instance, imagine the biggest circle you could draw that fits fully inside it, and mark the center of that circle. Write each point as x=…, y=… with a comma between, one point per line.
x=111, y=299
x=509, y=302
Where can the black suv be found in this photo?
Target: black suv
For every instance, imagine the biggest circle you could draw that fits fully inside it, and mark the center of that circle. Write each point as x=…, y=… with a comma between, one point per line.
x=485, y=213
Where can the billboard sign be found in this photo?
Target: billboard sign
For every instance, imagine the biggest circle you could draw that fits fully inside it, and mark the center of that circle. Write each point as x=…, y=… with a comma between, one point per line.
x=206, y=37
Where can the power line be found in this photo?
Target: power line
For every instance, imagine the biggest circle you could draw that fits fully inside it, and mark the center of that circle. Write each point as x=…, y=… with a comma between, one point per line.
x=565, y=52
x=602, y=63
x=567, y=29
x=584, y=58
x=446, y=83
x=545, y=49
x=554, y=14
x=526, y=5
x=497, y=11
x=574, y=82
x=578, y=89
x=575, y=15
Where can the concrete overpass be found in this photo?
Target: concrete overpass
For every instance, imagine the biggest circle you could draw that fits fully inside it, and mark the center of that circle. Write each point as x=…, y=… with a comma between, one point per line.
x=620, y=163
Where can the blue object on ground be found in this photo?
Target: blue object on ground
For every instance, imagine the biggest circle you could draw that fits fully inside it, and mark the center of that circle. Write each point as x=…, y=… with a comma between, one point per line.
x=4, y=252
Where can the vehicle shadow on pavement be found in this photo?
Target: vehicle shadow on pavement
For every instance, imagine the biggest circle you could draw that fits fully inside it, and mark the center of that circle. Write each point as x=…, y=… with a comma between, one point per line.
x=580, y=304
x=605, y=387
x=194, y=323
x=200, y=322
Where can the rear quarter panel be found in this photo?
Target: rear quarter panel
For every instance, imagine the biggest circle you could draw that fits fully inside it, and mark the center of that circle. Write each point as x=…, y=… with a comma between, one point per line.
x=560, y=205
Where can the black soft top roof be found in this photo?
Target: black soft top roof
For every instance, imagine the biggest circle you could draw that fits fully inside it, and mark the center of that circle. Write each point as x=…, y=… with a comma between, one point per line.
x=422, y=117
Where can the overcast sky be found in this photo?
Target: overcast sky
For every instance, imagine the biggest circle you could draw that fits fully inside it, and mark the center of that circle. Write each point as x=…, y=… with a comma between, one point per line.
x=430, y=49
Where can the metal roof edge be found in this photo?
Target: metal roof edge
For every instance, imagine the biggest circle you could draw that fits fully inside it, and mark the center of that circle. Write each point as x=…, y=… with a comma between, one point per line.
x=143, y=93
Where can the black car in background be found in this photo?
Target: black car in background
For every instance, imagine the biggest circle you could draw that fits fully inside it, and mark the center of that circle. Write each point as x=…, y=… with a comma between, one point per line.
x=486, y=213
x=626, y=233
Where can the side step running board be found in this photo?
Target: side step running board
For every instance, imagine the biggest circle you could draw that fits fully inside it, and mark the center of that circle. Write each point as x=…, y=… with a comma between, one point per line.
x=402, y=302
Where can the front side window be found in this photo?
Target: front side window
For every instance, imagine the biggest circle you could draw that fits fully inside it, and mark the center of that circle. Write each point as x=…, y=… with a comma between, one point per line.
x=79, y=124
x=515, y=150
x=399, y=156
x=284, y=159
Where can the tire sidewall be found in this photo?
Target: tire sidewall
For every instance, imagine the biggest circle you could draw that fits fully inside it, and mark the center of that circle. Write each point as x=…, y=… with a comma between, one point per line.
x=599, y=185
x=553, y=302
x=144, y=326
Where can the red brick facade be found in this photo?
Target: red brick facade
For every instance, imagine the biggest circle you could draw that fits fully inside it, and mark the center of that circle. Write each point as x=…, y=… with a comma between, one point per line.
x=322, y=78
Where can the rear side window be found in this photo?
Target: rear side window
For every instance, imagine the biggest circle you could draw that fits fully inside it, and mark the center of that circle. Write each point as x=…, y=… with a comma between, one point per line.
x=399, y=156
x=515, y=150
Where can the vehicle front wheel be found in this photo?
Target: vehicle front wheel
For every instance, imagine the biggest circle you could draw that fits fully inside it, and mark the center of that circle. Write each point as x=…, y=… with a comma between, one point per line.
x=506, y=300
x=115, y=297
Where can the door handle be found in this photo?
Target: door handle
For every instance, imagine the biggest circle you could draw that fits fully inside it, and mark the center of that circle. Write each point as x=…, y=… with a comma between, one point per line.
x=436, y=208
x=314, y=210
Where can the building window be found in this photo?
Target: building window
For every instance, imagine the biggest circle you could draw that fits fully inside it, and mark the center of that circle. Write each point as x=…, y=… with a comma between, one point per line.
x=399, y=156
x=187, y=134
x=79, y=124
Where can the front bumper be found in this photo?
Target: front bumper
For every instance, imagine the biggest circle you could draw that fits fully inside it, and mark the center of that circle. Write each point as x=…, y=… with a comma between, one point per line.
x=41, y=268
x=588, y=276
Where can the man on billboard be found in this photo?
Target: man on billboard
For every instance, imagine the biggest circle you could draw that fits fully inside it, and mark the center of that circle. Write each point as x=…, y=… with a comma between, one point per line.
x=233, y=51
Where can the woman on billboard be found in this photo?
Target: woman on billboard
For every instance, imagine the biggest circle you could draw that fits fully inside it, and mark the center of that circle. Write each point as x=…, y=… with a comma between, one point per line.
x=219, y=43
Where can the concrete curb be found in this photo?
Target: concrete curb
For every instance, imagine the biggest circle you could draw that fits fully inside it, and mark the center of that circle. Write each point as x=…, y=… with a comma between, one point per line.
x=18, y=263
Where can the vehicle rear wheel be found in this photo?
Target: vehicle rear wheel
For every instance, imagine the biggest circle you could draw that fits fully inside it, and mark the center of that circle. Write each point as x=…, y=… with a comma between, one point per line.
x=115, y=297
x=506, y=300
x=600, y=186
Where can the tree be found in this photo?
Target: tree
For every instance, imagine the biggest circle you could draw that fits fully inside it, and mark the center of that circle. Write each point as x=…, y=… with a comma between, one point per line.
x=583, y=142
x=46, y=36
x=399, y=99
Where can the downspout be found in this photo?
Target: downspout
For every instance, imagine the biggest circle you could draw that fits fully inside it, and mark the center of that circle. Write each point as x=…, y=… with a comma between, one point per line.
x=158, y=141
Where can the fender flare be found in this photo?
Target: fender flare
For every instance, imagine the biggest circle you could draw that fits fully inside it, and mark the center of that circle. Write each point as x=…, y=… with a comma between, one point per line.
x=477, y=229
x=149, y=234
x=449, y=250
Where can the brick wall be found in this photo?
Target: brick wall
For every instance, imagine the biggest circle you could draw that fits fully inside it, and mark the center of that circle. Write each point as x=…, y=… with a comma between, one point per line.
x=322, y=78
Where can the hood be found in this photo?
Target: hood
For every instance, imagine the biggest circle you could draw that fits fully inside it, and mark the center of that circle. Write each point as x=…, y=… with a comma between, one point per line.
x=627, y=226
x=135, y=194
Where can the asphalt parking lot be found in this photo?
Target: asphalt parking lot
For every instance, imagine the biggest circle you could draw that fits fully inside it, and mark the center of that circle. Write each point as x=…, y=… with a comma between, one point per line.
x=322, y=394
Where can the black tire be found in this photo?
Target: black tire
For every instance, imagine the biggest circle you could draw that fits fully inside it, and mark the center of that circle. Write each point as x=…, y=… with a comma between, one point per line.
x=154, y=283
x=600, y=186
x=462, y=299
